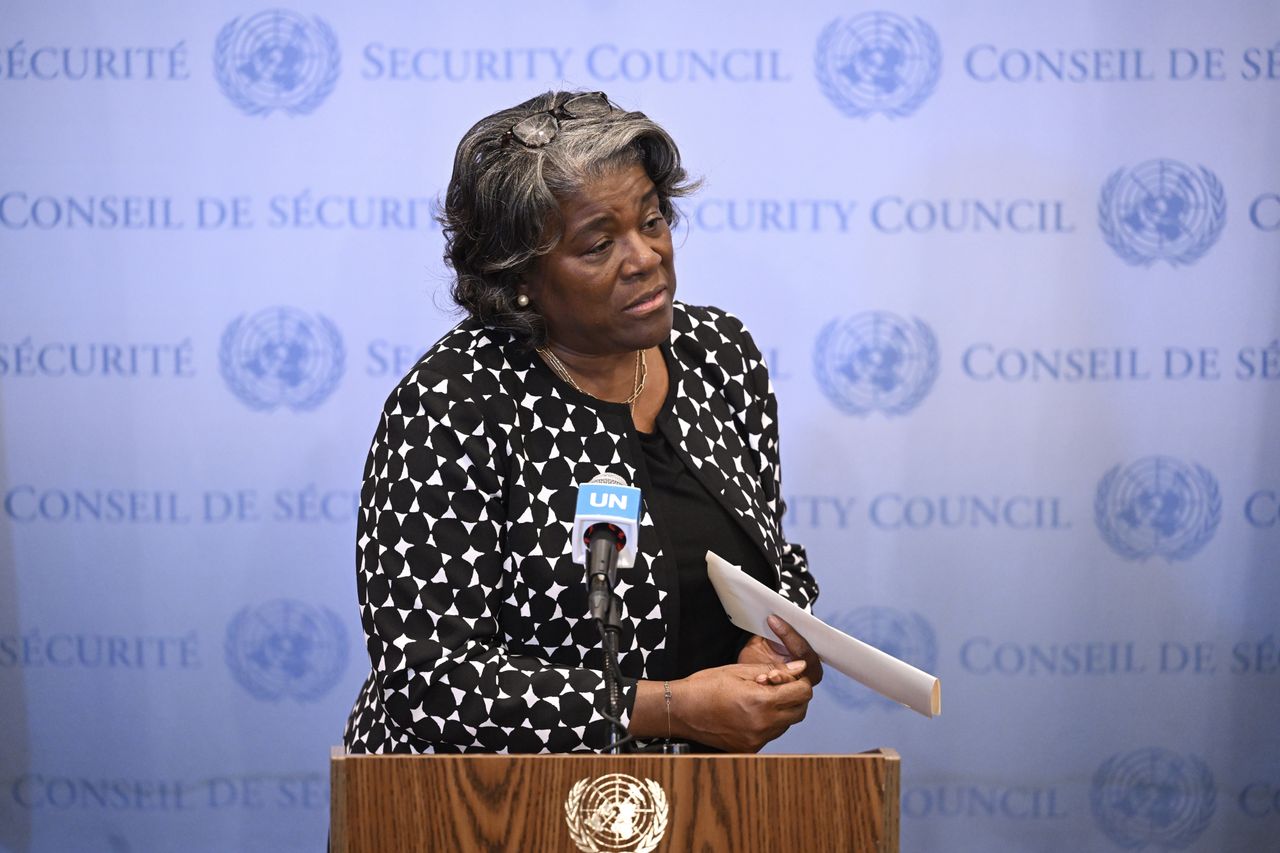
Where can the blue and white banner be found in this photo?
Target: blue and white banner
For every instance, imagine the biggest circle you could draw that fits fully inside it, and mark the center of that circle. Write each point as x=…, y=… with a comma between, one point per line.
x=1014, y=268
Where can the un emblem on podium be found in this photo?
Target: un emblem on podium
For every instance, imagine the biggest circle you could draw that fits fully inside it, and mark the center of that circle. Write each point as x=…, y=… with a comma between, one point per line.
x=281, y=356
x=286, y=648
x=1153, y=798
x=1157, y=506
x=277, y=60
x=876, y=362
x=907, y=636
x=878, y=62
x=1162, y=210
x=616, y=813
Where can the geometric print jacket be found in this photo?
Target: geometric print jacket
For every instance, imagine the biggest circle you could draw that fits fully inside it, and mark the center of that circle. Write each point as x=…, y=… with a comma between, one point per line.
x=474, y=612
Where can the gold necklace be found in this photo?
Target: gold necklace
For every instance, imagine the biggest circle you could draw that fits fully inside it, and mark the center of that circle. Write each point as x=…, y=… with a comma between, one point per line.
x=558, y=366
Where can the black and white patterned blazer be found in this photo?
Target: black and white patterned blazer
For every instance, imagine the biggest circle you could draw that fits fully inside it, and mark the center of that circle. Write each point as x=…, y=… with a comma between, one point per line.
x=473, y=610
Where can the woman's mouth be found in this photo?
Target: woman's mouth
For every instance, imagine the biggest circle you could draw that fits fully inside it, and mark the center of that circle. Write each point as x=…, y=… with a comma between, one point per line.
x=654, y=300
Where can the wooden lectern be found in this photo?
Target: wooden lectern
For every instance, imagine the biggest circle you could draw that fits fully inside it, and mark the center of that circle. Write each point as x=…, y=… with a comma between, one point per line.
x=391, y=803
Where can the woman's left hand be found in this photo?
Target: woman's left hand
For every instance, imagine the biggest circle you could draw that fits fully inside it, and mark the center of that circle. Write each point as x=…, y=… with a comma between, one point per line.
x=792, y=648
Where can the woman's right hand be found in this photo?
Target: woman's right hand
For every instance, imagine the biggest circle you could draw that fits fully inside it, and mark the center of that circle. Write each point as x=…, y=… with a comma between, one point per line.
x=728, y=708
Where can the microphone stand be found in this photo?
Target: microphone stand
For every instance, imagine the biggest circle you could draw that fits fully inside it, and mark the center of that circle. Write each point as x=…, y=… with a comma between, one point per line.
x=612, y=628
x=606, y=609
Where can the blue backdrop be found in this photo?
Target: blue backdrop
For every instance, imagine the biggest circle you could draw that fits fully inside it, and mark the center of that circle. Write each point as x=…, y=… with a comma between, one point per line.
x=1014, y=267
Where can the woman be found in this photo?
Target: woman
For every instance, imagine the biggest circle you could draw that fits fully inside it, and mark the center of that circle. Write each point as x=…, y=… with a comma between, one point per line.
x=575, y=360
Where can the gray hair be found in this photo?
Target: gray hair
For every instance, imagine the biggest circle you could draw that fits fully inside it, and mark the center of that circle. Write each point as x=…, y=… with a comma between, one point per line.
x=501, y=211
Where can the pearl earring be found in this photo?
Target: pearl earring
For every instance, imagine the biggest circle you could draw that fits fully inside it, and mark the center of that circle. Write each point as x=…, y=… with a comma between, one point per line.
x=522, y=301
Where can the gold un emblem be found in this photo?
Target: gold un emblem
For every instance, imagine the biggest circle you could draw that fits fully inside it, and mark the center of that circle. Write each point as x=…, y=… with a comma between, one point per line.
x=616, y=813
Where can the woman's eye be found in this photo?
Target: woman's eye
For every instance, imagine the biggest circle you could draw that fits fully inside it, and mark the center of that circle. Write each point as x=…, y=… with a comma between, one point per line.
x=598, y=248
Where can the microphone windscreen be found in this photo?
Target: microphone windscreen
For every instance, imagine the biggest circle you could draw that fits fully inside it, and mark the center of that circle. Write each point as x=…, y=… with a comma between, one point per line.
x=607, y=499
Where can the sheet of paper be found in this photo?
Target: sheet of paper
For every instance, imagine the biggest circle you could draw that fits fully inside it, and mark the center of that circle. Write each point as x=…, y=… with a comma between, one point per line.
x=749, y=604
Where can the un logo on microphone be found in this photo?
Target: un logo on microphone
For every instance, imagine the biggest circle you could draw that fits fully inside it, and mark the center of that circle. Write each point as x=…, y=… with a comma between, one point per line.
x=1153, y=798
x=281, y=357
x=1162, y=210
x=906, y=636
x=286, y=649
x=1157, y=506
x=877, y=63
x=876, y=361
x=277, y=60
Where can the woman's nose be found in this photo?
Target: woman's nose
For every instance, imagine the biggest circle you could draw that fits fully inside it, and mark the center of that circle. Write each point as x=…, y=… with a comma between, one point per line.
x=642, y=255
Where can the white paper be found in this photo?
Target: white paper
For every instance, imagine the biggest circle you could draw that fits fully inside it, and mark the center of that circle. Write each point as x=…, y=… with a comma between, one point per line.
x=749, y=604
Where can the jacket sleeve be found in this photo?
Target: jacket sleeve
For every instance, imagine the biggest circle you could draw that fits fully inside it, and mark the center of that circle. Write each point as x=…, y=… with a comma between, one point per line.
x=761, y=412
x=432, y=576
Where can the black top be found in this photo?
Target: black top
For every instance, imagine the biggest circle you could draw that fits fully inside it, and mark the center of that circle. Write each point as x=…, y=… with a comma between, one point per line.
x=691, y=522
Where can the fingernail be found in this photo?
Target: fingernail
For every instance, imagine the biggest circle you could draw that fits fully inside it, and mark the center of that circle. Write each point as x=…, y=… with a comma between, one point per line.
x=795, y=666
x=775, y=623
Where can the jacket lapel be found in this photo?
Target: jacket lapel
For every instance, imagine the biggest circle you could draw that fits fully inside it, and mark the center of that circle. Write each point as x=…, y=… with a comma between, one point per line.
x=704, y=431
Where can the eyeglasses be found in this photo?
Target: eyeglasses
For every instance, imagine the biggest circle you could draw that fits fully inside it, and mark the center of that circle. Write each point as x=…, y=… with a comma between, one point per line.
x=539, y=129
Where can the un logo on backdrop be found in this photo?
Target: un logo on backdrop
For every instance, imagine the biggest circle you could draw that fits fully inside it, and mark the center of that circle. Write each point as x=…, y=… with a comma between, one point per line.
x=1152, y=798
x=286, y=648
x=877, y=63
x=906, y=636
x=277, y=60
x=1162, y=210
x=1157, y=506
x=876, y=361
x=281, y=356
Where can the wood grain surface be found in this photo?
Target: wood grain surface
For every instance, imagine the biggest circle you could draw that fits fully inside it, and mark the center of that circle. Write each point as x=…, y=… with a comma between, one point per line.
x=516, y=803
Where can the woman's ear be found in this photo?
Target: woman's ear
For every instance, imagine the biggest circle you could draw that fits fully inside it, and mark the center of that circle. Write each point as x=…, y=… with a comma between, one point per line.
x=527, y=286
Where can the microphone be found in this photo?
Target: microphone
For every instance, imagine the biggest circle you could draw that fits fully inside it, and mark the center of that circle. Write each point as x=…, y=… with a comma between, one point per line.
x=606, y=527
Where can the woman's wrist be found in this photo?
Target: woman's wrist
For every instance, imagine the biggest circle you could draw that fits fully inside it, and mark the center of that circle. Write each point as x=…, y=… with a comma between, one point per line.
x=656, y=713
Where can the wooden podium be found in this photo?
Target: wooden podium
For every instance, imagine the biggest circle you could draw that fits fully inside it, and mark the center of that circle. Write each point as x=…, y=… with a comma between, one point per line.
x=391, y=803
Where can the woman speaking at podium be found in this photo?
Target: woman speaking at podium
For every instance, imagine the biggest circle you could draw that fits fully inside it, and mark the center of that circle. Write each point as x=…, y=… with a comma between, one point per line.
x=574, y=360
